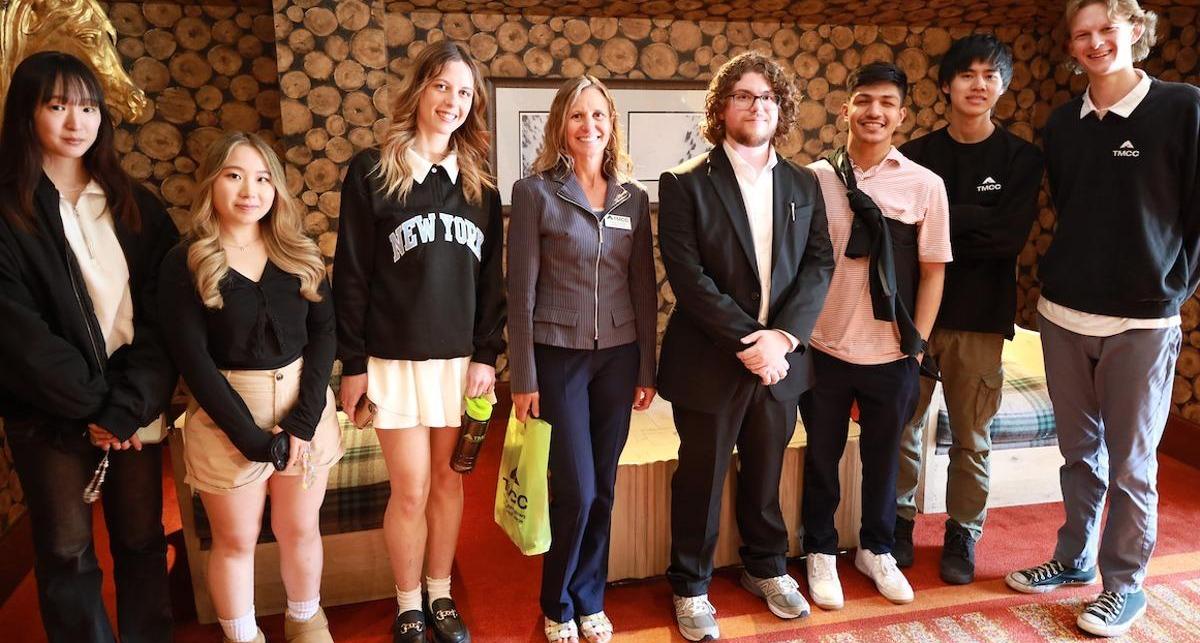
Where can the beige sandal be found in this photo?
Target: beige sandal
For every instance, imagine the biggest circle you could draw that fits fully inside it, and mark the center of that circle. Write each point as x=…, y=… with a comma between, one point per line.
x=560, y=632
x=596, y=628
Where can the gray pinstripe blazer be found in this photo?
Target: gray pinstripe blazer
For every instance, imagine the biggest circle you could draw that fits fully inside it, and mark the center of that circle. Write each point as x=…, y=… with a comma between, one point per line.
x=576, y=278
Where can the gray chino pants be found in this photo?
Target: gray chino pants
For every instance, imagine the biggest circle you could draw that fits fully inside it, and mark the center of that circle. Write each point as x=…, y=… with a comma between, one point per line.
x=1111, y=397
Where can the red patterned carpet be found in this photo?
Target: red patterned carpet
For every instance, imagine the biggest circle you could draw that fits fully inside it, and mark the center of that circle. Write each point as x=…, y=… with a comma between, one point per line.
x=496, y=587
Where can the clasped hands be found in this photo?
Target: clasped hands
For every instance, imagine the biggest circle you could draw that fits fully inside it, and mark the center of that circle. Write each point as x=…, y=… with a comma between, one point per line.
x=103, y=439
x=766, y=356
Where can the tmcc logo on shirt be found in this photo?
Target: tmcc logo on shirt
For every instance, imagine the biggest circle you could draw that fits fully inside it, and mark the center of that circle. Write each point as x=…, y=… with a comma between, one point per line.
x=1126, y=149
x=989, y=184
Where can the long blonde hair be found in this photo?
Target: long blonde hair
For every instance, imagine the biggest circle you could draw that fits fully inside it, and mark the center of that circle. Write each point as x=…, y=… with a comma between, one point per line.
x=553, y=152
x=471, y=140
x=282, y=232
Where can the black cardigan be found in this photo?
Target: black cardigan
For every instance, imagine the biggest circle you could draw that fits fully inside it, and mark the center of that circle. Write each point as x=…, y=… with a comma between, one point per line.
x=55, y=372
x=263, y=325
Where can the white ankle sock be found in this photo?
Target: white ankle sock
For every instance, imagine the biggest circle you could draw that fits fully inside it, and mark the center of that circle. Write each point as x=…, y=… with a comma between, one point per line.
x=303, y=610
x=437, y=588
x=408, y=599
x=242, y=628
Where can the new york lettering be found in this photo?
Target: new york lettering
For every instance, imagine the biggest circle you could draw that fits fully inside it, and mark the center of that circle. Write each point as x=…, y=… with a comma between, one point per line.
x=422, y=229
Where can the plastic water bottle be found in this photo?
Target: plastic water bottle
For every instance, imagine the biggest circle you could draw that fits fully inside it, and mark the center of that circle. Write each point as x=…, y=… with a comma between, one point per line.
x=471, y=434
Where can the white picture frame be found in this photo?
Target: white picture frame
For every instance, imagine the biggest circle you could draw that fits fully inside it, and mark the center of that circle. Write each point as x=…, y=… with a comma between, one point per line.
x=661, y=127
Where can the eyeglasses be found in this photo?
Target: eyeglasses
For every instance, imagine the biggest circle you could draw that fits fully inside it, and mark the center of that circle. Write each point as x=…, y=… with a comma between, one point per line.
x=744, y=100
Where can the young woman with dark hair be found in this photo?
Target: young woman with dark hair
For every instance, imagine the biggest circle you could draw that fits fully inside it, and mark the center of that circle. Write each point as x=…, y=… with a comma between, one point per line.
x=80, y=246
x=420, y=305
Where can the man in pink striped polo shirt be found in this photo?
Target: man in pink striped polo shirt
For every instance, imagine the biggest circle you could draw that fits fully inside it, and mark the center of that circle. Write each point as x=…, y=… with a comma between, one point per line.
x=890, y=228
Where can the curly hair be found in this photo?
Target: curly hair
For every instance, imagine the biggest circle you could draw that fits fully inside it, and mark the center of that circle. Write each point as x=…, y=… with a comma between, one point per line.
x=1128, y=10
x=553, y=152
x=713, y=127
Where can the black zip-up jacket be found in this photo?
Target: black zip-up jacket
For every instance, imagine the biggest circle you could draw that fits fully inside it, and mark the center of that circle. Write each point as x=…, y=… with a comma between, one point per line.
x=53, y=368
x=419, y=279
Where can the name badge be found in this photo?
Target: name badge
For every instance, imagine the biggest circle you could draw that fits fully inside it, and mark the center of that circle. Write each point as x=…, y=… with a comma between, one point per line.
x=618, y=222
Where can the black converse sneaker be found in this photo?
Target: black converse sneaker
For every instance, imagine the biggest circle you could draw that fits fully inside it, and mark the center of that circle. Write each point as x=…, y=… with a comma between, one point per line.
x=1048, y=576
x=1112, y=614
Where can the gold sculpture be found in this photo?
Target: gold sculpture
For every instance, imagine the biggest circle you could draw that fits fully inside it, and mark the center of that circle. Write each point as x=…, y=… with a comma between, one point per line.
x=77, y=27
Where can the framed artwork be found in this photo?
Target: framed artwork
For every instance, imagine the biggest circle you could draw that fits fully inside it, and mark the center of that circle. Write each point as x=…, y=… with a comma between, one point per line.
x=661, y=126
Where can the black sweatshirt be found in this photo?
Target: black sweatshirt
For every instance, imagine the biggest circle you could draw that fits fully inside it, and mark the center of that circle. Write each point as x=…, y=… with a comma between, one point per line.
x=54, y=372
x=993, y=187
x=262, y=325
x=420, y=279
x=1127, y=193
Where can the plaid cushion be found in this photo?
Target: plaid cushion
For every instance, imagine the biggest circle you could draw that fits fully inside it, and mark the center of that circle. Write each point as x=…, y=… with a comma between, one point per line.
x=355, y=500
x=1025, y=418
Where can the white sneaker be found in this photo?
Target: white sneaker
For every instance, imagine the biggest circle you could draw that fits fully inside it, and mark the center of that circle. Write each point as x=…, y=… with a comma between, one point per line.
x=694, y=618
x=889, y=580
x=823, y=583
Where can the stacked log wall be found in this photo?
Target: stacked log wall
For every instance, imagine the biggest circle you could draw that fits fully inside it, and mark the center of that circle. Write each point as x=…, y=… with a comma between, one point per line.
x=313, y=78
x=648, y=49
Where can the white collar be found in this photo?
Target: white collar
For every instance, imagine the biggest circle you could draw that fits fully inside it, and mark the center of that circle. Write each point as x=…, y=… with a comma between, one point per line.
x=92, y=189
x=421, y=166
x=1123, y=107
x=743, y=168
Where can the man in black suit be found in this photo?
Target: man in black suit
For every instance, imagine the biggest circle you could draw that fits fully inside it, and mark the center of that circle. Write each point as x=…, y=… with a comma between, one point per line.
x=746, y=248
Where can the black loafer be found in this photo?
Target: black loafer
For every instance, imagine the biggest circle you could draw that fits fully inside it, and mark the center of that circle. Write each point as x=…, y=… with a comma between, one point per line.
x=446, y=623
x=409, y=627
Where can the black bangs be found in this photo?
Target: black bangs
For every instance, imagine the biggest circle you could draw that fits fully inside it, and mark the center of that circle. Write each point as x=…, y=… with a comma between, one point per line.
x=69, y=81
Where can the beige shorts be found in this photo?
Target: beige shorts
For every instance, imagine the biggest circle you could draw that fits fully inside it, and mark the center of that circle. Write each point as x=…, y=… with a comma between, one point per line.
x=214, y=465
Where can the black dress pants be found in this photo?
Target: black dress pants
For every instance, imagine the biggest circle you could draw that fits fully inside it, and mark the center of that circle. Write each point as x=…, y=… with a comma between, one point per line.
x=886, y=396
x=54, y=471
x=760, y=427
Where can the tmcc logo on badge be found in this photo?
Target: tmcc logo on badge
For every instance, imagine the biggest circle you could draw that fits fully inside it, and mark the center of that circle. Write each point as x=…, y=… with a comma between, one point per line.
x=1126, y=149
x=989, y=184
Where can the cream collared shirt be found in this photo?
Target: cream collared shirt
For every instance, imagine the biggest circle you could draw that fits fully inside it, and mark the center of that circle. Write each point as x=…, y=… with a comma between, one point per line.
x=1091, y=324
x=421, y=166
x=88, y=226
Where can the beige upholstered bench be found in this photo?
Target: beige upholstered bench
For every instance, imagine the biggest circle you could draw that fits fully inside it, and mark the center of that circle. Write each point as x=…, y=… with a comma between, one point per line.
x=356, y=566
x=1025, y=457
x=641, y=526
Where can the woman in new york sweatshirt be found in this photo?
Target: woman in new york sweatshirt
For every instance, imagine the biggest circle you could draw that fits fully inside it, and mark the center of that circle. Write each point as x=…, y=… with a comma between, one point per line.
x=420, y=305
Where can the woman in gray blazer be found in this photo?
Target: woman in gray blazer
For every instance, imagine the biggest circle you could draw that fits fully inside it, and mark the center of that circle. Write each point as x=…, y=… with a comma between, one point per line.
x=582, y=319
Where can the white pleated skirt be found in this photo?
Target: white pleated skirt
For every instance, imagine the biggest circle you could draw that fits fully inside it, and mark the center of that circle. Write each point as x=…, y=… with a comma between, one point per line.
x=408, y=394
